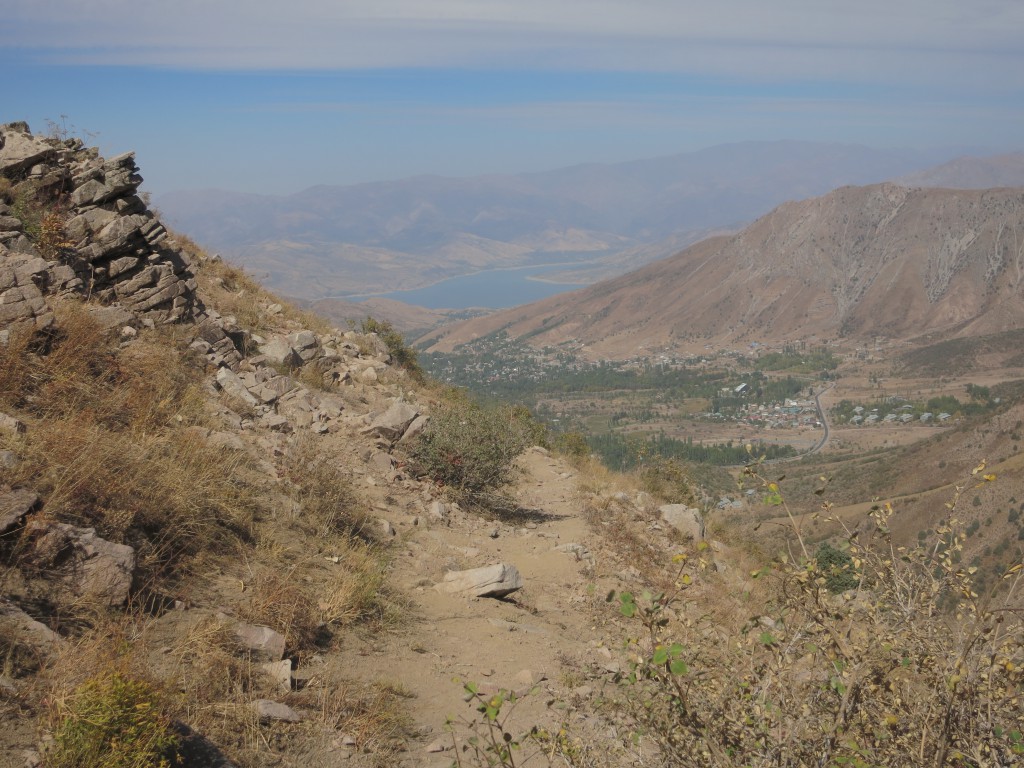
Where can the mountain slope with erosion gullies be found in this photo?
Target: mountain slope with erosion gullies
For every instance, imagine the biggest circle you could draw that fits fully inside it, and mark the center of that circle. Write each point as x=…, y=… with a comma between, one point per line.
x=858, y=263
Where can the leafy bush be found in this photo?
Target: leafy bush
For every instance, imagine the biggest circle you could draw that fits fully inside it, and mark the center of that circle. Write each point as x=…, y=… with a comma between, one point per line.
x=911, y=669
x=113, y=722
x=837, y=565
x=470, y=448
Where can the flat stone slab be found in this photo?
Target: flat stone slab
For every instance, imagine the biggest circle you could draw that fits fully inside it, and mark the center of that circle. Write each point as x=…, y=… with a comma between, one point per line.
x=496, y=580
x=273, y=710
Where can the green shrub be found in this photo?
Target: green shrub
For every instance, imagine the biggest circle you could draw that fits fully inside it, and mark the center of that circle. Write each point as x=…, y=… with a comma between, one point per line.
x=837, y=566
x=470, y=448
x=113, y=722
x=572, y=444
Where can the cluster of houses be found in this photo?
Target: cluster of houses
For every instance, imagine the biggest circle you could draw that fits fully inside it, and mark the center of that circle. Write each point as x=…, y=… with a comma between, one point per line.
x=790, y=414
x=903, y=415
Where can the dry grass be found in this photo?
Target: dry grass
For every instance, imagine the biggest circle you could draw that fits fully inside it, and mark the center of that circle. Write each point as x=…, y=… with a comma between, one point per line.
x=371, y=715
x=236, y=293
x=356, y=590
x=107, y=444
x=323, y=490
x=216, y=685
x=278, y=599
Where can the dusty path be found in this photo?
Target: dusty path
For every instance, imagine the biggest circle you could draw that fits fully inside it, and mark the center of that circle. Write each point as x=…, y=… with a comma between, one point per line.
x=539, y=637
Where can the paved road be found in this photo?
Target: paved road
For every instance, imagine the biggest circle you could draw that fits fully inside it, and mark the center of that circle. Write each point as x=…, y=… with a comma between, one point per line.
x=824, y=421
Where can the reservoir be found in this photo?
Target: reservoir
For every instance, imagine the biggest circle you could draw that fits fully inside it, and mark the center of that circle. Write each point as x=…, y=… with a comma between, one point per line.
x=493, y=288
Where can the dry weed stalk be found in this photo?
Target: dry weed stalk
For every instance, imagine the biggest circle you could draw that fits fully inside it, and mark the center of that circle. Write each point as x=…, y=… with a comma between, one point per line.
x=910, y=668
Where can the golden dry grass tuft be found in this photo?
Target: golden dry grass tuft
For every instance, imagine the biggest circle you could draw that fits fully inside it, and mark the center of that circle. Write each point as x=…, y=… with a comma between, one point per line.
x=322, y=489
x=109, y=444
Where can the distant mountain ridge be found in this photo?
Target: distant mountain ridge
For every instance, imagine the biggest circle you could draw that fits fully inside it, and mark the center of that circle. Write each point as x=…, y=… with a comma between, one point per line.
x=859, y=262
x=385, y=236
x=971, y=173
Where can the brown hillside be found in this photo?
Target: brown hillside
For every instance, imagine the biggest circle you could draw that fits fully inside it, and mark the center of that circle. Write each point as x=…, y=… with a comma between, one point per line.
x=858, y=262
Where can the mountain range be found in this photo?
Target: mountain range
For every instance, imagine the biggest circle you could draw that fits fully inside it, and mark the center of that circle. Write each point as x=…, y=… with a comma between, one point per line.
x=858, y=262
x=380, y=237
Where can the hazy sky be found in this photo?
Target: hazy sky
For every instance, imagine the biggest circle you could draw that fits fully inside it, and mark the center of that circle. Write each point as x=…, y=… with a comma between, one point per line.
x=278, y=95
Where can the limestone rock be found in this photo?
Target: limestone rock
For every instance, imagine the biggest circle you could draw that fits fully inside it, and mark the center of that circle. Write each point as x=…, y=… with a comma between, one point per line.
x=278, y=351
x=496, y=580
x=276, y=422
x=382, y=462
x=93, y=566
x=280, y=672
x=417, y=426
x=305, y=345
x=392, y=424
x=229, y=382
x=14, y=622
x=437, y=510
x=263, y=643
x=10, y=424
x=687, y=520
x=19, y=150
x=14, y=505
x=268, y=710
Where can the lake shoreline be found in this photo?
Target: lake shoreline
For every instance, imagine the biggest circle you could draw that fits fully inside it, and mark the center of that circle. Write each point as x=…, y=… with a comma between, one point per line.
x=399, y=295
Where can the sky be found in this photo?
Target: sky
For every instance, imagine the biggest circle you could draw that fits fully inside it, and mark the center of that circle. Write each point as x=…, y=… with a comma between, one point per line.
x=273, y=97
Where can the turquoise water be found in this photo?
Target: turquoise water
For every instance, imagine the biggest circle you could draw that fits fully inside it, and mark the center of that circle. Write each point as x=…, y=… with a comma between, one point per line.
x=494, y=288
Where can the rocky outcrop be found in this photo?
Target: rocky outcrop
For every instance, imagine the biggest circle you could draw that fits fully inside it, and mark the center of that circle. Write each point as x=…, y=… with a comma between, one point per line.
x=687, y=520
x=73, y=222
x=90, y=566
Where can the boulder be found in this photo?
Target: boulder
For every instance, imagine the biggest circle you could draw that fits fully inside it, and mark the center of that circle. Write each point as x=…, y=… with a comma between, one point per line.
x=233, y=387
x=92, y=566
x=417, y=426
x=496, y=580
x=278, y=351
x=392, y=424
x=19, y=150
x=15, y=623
x=14, y=505
x=268, y=710
x=10, y=424
x=437, y=510
x=687, y=520
x=305, y=345
x=280, y=672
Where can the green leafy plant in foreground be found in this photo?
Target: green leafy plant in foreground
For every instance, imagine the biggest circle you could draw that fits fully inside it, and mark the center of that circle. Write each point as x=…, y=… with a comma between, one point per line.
x=113, y=722
x=878, y=675
x=487, y=738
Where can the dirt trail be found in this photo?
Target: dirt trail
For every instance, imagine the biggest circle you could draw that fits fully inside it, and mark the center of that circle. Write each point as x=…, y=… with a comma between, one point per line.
x=534, y=637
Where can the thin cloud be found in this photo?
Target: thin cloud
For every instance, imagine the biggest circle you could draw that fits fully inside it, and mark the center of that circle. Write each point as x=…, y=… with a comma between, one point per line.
x=979, y=43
